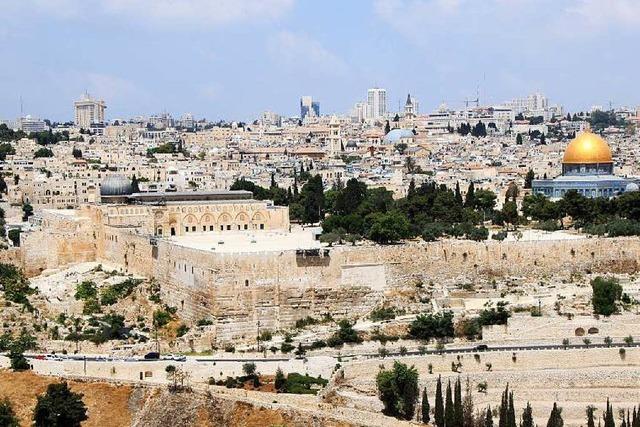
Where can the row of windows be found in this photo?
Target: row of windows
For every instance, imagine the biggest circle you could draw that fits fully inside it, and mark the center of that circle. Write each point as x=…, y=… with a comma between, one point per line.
x=205, y=228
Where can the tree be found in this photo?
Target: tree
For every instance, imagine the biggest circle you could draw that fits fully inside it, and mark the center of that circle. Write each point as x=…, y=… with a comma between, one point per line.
x=449, y=410
x=135, y=186
x=528, y=180
x=527, y=417
x=590, y=417
x=17, y=359
x=555, y=418
x=387, y=128
x=429, y=326
x=457, y=405
x=27, y=211
x=389, y=227
x=606, y=293
x=14, y=236
x=424, y=407
x=468, y=417
x=510, y=213
x=280, y=380
x=76, y=152
x=439, y=409
x=470, y=198
x=398, y=390
x=312, y=200
x=8, y=417
x=488, y=418
x=43, y=152
x=519, y=139
x=249, y=368
x=59, y=407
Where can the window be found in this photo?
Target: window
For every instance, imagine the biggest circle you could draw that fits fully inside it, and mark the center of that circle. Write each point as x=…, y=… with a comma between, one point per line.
x=193, y=228
x=246, y=282
x=229, y=227
x=222, y=228
x=246, y=226
x=261, y=226
x=211, y=228
x=186, y=229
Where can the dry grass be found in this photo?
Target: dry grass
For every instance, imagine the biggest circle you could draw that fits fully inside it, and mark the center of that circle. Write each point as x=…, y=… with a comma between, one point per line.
x=107, y=405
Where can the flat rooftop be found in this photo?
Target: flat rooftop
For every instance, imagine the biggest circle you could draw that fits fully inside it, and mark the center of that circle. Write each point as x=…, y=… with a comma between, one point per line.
x=248, y=241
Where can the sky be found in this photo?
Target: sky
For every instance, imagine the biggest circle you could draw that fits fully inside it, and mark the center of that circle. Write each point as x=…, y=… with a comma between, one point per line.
x=233, y=59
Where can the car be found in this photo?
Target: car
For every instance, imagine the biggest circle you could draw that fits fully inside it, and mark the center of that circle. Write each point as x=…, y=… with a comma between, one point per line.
x=482, y=347
x=154, y=355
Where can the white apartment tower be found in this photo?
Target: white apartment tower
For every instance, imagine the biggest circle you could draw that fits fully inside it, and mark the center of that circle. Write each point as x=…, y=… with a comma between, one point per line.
x=88, y=111
x=376, y=103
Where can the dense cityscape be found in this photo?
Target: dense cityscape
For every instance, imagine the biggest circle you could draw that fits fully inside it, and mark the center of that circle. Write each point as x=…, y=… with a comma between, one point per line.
x=464, y=263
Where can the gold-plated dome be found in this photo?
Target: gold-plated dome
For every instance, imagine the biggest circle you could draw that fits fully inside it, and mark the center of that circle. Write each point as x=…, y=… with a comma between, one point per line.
x=587, y=148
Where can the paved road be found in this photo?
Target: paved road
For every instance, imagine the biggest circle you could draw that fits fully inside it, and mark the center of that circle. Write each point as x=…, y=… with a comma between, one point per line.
x=456, y=350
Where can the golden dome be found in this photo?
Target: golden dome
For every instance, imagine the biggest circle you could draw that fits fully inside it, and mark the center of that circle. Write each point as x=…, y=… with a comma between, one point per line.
x=587, y=148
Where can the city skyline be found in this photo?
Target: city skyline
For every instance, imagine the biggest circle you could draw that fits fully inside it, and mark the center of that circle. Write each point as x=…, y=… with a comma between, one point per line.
x=234, y=60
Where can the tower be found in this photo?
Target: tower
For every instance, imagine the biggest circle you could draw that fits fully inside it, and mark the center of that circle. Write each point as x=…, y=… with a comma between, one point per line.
x=335, y=137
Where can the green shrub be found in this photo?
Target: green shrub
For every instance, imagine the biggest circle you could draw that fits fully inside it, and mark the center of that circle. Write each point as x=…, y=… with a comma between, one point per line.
x=86, y=290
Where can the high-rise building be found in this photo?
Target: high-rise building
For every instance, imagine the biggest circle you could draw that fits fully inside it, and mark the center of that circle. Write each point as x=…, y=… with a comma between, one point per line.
x=309, y=107
x=88, y=111
x=376, y=103
x=30, y=124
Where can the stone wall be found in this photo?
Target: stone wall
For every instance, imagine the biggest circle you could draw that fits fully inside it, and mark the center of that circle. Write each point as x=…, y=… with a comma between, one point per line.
x=245, y=292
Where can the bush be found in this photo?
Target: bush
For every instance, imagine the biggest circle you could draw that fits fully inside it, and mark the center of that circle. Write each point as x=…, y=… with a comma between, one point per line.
x=280, y=380
x=286, y=347
x=182, y=329
x=500, y=235
x=8, y=417
x=249, y=368
x=346, y=334
x=302, y=384
x=86, y=290
x=606, y=292
x=494, y=316
x=382, y=313
x=429, y=326
x=113, y=293
x=265, y=336
x=15, y=285
x=398, y=390
x=161, y=318
x=204, y=322
x=14, y=236
x=59, y=407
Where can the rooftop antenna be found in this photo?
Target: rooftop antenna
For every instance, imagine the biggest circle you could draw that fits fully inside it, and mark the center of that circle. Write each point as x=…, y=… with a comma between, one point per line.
x=21, y=107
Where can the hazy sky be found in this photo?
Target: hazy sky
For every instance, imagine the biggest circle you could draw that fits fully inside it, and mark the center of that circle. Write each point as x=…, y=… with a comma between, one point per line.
x=232, y=59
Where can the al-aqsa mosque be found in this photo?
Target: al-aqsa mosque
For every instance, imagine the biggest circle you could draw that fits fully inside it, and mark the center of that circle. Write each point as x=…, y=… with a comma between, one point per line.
x=587, y=167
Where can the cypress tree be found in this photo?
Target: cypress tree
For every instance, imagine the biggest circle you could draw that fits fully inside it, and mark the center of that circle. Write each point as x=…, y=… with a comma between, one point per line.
x=439, y=409
x=609, y=420
x=590, y=419
x=488, y=419
x=457, y=405
x=467, y=408
x=470, y=200
x=511, y=412
x=527, y=417
x=449, y=412
x=458, y=195
x=555, y=419
x=504, y=408
x=425, y=407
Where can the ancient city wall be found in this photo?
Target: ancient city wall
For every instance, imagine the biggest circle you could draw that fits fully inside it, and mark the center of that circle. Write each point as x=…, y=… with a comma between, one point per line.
x=248, y=292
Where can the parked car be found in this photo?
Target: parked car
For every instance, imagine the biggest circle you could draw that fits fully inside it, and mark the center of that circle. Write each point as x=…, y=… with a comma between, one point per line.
x=154, y=355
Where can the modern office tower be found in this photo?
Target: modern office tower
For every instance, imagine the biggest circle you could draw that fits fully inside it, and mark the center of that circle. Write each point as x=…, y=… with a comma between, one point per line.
x=376, y=103
x=88, y=111
x=309, y=107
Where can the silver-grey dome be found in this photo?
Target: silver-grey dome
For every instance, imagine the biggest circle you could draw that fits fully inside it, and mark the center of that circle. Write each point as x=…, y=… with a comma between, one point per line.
x=116, y=185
